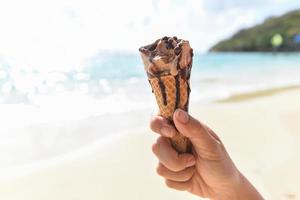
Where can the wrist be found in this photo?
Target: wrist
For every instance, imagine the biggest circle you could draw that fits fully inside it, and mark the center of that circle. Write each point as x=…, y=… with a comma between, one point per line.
x=248, y=191
x=241, y=188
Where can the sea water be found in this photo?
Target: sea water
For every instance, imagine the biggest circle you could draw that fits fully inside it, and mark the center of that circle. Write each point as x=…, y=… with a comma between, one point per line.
x=44, y=112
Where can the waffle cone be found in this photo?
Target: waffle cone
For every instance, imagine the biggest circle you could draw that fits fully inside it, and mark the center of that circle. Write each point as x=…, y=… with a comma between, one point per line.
x=172, y=92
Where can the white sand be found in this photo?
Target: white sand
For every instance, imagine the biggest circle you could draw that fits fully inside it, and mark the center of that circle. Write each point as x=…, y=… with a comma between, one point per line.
x=262, y=135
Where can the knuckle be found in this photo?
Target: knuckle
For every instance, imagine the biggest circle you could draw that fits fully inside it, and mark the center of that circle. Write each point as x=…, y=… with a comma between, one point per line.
x=160, y=170
x=159, y=140
x=153, y=124
x=169, y=184
x=157, y=146
x=154, y=148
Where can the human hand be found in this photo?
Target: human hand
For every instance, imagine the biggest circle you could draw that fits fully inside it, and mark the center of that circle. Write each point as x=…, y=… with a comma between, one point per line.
x=209, y=171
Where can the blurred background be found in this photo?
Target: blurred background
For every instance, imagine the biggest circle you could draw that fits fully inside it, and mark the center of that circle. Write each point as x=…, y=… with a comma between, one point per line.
x=75, y=101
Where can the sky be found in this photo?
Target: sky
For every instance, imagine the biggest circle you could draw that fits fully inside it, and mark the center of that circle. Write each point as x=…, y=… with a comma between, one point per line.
x=65, y=34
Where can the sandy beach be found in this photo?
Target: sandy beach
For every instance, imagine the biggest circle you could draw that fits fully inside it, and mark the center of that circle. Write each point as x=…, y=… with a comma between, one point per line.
x=261, y=132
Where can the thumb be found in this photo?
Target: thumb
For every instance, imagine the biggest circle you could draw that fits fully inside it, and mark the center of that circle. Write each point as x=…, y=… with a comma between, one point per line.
x=200, y=136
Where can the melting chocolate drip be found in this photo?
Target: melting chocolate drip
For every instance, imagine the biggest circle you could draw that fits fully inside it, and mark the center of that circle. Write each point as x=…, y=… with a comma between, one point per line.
x=192, y=52
x=153, y=47
x=150, y=85
x=177, y=84
x=177, y=50
x=186, y=106
x=188, y=76
x=162, y=90
x=183, y=74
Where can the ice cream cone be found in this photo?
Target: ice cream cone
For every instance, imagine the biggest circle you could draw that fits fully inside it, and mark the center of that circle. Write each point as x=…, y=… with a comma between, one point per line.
x=168, y=63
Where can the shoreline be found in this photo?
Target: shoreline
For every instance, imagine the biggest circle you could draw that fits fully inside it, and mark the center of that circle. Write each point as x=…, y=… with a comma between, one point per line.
x=260, y=93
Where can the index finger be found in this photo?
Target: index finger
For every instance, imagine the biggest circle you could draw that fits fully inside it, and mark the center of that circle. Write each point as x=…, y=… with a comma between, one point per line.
x=170, y=158
x=161, y=126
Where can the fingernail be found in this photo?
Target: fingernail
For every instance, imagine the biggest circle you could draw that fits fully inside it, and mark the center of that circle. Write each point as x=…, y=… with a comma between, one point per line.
x=191, y=162
x=166, y=131
x=182, y=116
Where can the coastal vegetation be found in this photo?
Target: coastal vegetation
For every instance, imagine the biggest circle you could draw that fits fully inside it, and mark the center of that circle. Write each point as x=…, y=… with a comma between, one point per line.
x=274, y=34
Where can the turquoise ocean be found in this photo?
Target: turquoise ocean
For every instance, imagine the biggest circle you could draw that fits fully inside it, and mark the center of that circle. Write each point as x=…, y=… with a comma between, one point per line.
x=45, y=113
x=214, y=76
